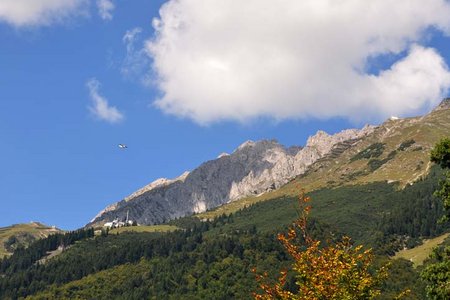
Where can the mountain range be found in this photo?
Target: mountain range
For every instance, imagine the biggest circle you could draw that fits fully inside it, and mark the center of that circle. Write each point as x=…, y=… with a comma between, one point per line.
x=395, y=151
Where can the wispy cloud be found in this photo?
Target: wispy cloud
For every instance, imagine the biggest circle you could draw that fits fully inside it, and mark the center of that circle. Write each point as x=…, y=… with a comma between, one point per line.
x=136, y=62
x=99, y=106
x=25, y=13
x=105, y=9
x=237, y=60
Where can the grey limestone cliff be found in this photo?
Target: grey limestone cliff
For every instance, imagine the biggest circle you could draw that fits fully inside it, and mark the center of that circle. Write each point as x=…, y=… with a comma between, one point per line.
x=253, y=168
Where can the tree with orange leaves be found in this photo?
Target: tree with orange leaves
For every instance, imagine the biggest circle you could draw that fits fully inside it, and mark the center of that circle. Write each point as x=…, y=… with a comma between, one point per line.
x=338, y=271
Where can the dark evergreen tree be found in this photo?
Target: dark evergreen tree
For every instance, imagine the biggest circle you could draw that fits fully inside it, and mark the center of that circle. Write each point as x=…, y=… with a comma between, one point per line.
x=437, y=274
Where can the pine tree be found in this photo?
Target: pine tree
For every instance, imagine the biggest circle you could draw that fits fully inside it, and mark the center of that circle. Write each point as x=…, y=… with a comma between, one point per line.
x=437, y=274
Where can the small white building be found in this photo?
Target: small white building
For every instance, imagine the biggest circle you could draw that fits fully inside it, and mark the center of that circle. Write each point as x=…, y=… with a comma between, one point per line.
x=113, y=224
x=116, y=223
x=109, y=225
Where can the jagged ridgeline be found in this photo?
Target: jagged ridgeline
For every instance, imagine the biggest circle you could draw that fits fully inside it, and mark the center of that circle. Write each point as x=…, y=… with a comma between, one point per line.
x=396, y=151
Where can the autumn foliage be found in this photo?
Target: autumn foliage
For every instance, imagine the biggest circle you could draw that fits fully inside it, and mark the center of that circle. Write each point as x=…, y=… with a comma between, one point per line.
x=336, y=271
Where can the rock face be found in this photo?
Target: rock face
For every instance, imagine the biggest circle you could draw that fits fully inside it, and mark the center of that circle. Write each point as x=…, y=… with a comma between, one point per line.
x=445, y=104
x=253, y=168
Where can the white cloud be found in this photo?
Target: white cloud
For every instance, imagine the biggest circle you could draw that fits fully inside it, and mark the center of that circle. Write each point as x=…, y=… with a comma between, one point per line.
x=237, y=60
x=99, y=106
x=136, y=60
x=105, y=9
x=39, y=12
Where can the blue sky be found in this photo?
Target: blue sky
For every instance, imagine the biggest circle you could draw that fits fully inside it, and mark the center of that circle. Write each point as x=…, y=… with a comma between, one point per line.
x=186, y=93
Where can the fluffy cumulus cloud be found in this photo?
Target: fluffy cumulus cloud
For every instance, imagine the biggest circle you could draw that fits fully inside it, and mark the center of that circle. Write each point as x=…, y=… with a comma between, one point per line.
x=105, y=9
x=238, y=60
x=39, y=12
x=100, y=107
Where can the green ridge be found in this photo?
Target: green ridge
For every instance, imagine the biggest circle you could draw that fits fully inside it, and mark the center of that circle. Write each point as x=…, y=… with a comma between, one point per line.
x=17, y=235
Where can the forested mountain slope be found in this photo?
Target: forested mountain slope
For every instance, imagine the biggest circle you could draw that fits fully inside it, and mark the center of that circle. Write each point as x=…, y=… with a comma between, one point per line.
x=213, y=259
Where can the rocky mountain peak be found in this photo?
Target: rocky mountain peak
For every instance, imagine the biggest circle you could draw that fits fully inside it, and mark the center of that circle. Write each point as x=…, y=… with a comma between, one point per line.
x=246, y=144
x=160, y=182
x=223, y=154
x=323, y=141
x=317, y=139
x=445, y=104
x=258, y=146
x=255, y=167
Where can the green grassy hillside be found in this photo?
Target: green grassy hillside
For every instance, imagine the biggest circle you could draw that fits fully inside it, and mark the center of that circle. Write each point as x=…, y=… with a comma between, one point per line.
x=102, y=284
x=212, y=260
x=417, y=255
x=17, y=235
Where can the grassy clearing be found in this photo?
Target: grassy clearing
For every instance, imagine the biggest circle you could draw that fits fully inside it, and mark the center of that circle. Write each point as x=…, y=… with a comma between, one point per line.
x=50, y=255
x=24, y=233
x=150, y=228
x=418, y=254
